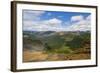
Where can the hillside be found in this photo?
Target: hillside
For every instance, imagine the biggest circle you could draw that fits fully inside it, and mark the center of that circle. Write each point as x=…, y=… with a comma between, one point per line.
x=67, y=44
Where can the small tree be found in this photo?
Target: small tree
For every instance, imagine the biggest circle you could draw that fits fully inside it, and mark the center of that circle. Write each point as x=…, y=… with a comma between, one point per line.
x=47, y=46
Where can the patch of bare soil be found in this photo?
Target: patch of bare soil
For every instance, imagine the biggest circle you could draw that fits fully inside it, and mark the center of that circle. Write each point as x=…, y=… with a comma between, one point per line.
x=34, y=56
x=29, y=56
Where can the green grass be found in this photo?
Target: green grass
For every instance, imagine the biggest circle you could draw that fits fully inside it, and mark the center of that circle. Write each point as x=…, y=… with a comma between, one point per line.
x=65, y=44
x=64, y=50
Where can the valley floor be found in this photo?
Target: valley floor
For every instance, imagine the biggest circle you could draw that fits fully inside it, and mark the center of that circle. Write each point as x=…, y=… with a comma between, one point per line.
x=34, y=56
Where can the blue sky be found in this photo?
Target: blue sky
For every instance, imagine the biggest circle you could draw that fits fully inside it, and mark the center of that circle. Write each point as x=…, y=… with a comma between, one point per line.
x=64, y=16
x=34, y=20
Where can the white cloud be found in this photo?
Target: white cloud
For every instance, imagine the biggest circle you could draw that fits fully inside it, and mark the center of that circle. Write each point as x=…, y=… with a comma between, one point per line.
x=88, y=18
x=36, y=13
x=55, y=24
x=51, y=24
x=79, y=27
x=82, y=25
x=77, y=18
x=32, y=15
x=27, y=25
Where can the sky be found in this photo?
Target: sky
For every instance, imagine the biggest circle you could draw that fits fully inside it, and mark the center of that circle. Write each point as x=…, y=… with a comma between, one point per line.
x=35, y=20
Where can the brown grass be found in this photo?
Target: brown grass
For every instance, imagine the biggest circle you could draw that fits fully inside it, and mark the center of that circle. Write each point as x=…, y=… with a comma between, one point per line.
x=34, y=56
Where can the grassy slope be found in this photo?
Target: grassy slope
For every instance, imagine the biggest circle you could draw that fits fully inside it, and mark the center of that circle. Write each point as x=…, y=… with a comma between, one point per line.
x=59, y=47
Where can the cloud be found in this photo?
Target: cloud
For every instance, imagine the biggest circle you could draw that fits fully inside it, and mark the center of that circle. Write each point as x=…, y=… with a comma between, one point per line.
x=32, y=22
x=88, y=18
x=77, y=18
x=82, y=25
x=28, y=25
x=51, y=24
x=32, y=15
